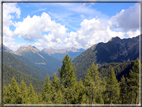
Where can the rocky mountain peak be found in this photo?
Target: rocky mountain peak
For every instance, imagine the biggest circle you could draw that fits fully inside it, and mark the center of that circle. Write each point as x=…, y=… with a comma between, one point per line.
x=114, y=39
x=26, y=49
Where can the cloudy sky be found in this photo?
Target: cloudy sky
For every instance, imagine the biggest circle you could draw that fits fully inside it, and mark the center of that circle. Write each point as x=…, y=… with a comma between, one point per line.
x=61, y=25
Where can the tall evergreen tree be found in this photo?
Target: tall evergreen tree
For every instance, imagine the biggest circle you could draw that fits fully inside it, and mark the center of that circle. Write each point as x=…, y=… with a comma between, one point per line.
x=123, y=91
x=8, y=98
x=31, y=95
x=79, y=93
x=112, y=89
x=133, y=82
x=92, y=83
x=4, y=94
x=15, y=92
x=23, y=89
x=47, y=91
x=56, y=94
x=67, y=77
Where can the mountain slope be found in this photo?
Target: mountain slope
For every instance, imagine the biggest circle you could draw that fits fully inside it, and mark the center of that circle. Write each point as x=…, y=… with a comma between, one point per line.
x=43, y=70
x=9, y=72
x=115, y=50
x=120, y=69
x=14, y=62
x=39, y=58
x=5, y=48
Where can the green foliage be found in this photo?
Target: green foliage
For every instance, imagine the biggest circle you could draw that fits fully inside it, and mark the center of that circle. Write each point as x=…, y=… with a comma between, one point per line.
x=56, y=88
x=112, y=89
x=16, y=63
x=92, y=84
x=47, y=90
x=67, y=77
x=9, y=72
x=31, y=95
x=133, y=82
x=120, y=69
x=24, y=94
x=79, y=93
x=116, y=50
x=66, y=90
x=123, y=91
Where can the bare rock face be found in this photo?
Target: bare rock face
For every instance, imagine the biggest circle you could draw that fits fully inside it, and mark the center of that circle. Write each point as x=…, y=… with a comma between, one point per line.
x=27, y=49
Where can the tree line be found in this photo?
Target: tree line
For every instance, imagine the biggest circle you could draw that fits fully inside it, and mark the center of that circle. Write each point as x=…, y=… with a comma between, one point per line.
x=65, y=89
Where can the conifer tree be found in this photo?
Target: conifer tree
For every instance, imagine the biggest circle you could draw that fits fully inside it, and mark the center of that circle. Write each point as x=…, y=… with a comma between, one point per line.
x=4, y=94
x=133, y=82
x=23, y=89
x=79, y=94
x=31, y=95
x=56, y=94
x=67, y=77
x=87, y=84
x=47, y=91
x=15, y=92
x=40, y=99
x=112, y=88
x=92, y=83
x=123, y=91
x=8, y=98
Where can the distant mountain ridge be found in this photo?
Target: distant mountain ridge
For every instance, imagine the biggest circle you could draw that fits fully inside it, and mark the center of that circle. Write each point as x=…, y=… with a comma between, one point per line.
x=60, y=53
x=5, y=48
x=37, y=57
x=52, y=50
x=115, y=50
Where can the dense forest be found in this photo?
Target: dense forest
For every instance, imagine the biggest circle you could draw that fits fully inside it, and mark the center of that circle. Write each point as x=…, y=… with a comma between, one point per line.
x=65, y=89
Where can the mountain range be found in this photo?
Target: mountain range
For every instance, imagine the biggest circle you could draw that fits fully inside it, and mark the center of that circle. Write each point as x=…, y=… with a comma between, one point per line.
x=115, y=50
x=117, y=53
x=60, y=53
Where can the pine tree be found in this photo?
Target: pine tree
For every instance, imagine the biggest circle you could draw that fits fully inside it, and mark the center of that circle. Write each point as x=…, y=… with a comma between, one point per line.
x=56, y=94
x=79, y=93
x=93, y=83
x=133, y=82
x=112, y=88
x=31, y=95
x=87, y=84
x=8, y=98
x=123, y=91
x=23, y=89
x=67, y=77
x=4, y=94
x=15, y=92
x=47, y=91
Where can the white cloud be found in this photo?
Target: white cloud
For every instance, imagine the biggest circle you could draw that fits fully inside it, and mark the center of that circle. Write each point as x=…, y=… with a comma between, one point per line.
x=127, y=19
x=10, y=10
x=131, y=34
x=91, y=32
x=32, y=27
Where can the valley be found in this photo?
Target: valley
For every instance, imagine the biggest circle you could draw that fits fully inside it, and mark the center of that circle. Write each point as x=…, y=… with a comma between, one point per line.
x=48, y=67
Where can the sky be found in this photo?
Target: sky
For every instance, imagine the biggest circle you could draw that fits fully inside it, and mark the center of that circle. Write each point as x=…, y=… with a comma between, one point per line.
x=62, y=25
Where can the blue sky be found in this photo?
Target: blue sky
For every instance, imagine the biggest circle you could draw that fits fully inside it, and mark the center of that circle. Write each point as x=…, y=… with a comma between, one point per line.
x=62, y=25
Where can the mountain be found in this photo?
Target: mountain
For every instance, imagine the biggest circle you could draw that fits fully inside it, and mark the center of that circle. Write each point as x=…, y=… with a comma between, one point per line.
x=52, y=50
x=5, y=48
x=14, y=62
x=60, y=53
x=43, y=70
x=115, y=50
x=120, y=69
x=40, y=59
x=9, y=72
